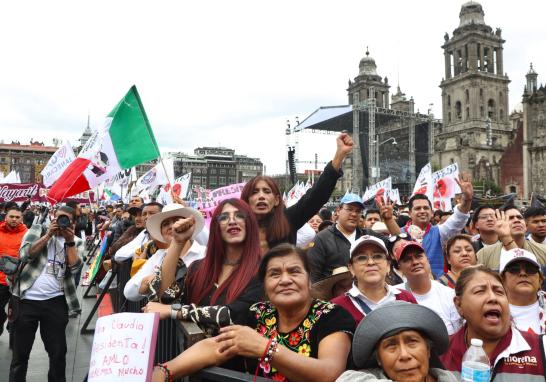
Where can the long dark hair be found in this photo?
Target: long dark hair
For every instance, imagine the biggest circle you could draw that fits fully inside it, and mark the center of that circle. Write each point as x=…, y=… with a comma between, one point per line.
x=276, y=225
x=202, y=280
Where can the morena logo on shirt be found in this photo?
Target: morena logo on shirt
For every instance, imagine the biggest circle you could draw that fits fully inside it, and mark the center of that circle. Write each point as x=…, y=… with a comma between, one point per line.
x=521, y=362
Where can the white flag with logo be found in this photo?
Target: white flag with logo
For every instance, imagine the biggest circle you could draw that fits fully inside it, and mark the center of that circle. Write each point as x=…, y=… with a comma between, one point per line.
x=156, y=176
x=424, y=183
x=180, y=188
x=57, y=164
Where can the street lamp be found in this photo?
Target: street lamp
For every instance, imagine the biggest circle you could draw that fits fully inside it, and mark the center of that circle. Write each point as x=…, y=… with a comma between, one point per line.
x=376, y=172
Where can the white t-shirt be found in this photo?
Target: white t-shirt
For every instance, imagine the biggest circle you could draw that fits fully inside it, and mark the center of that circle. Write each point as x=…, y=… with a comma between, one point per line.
x=439, y=299
x=351, y=237
x=526, y=317
x=390, y=296
x=152, y=266
x=50, y=282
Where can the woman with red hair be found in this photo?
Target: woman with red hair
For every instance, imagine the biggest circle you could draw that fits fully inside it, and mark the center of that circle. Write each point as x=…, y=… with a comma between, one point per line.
x=279, y=224
x=220, y=288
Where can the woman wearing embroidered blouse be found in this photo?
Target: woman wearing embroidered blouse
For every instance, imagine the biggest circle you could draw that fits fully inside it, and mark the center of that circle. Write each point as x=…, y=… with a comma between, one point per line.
x=481, y=300
x=293, y=336
x=459, y=254
x=218, y=289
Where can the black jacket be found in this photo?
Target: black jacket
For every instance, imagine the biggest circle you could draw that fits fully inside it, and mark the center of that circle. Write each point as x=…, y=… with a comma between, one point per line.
x=310, y=203
x=330, y=249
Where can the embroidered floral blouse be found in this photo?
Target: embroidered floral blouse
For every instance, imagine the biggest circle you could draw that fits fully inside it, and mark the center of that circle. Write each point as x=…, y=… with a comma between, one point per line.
x=323, y=319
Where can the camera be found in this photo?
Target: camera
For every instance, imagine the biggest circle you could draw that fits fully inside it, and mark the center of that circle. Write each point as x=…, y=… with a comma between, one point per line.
x=63, y=222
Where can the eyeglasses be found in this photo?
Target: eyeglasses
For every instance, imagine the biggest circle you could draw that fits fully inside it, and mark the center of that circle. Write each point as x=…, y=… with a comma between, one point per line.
x=225, y=217
x=352, y=210
x=402, y=235
x=515, y=268
x=486, y=216
x=376, y=258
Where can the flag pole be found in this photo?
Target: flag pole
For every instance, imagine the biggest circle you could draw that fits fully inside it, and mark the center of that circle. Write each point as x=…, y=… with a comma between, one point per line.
x=165, y=170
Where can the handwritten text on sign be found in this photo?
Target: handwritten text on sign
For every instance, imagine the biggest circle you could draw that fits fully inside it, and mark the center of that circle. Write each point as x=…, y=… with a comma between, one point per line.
x=123, y=347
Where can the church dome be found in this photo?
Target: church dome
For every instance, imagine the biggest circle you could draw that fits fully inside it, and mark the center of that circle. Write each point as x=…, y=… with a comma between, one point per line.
x=367, y=65
x=471, y=13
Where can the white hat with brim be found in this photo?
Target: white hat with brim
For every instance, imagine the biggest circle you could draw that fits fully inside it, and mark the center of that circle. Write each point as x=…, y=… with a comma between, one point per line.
x=516, y=254
x=368, y=239
x=322, y=289
x=153, y=223
x=392, y=318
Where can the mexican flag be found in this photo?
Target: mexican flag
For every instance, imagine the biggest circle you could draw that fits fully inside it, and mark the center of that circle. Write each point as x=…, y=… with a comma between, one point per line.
x=125, y=140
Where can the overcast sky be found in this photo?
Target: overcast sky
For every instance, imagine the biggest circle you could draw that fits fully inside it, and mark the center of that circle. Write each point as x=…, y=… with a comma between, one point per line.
x=231, y=73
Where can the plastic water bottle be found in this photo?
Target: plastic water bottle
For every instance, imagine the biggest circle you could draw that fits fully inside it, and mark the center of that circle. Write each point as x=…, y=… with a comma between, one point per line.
x=475, y=366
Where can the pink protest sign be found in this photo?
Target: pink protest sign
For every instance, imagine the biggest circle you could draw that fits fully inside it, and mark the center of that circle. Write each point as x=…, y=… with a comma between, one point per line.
x=124, y=347
x=233, y=191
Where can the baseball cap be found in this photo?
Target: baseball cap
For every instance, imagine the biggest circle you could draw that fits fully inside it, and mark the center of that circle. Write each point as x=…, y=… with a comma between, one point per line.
x=352, y=199
x=404, y=246
x=516, y=254
x=368, y=239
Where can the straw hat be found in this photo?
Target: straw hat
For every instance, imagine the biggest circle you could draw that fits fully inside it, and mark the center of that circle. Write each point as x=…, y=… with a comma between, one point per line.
x=153, y=223
x=322, y=289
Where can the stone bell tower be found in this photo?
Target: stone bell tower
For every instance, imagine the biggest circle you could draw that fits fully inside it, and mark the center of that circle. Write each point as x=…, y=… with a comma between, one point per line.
x=476, y=128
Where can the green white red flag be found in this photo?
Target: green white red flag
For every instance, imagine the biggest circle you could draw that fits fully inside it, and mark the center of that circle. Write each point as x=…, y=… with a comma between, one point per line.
x=125, y=140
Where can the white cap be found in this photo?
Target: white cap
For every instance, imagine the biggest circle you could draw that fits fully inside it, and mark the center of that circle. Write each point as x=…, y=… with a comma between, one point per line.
x=476, y=342
x=516, y=254
x=368, y=239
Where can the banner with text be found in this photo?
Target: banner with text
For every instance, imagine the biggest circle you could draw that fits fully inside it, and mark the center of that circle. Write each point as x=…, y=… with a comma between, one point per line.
x=124, y=347
x=211, y=199
x=19, y=192
x=382, y=188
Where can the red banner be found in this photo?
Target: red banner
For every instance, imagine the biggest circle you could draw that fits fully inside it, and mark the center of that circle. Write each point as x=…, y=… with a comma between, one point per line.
x=19, y=192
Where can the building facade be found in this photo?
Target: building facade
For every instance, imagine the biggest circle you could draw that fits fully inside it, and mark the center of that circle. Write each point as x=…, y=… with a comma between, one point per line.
x=534, y=136
x=27, y=160
x=214, y=167
x=476, y=125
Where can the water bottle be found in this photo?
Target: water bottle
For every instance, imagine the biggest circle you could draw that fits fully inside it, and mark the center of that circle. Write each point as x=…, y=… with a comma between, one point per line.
x=475, y=366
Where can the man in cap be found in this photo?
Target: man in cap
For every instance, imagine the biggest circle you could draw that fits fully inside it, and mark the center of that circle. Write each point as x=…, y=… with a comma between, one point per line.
x=413, y=263
x=330, y=247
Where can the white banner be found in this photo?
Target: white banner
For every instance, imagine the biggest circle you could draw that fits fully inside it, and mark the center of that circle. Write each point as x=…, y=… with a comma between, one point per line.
x=12, y=177
x=180, y=188
x=394, y=196
x=424, y=183
x=156, y=176
x=57, y=164
x=382, y=188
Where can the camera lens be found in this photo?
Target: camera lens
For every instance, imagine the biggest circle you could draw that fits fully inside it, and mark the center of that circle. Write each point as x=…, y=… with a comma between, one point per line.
x=63, y=221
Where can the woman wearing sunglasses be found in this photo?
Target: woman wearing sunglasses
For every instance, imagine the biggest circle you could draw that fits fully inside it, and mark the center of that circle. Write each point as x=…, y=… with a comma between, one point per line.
x=220, y=288
x=522, y=278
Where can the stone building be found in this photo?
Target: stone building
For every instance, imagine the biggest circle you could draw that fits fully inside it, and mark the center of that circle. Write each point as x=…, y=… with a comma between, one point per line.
x=534, y=136
x=27, y=160
x=214, y=167
x=476, y=127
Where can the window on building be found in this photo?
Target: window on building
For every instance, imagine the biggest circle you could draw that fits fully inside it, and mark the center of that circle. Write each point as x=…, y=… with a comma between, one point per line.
x=501, y=114
x=449, y=116
x=513, y=189
x=467, y=113
x=213, y=171
x=491, y=109
x=222, y=181
x=448, y=100
x=458, y=110
x=481, y=95
x=223, y=171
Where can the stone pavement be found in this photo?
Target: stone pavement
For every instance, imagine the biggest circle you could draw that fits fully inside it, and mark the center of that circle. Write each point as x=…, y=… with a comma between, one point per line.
x=77, y=356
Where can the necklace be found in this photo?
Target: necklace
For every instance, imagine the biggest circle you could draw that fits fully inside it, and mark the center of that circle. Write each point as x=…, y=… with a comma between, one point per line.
x=231, y=262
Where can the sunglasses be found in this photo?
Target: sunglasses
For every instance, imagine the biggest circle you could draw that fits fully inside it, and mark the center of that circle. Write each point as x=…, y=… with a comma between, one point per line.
x=515, y=268
x=402, y=235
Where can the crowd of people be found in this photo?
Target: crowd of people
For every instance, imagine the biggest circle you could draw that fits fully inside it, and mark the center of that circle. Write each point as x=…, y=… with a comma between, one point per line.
x=304, y=293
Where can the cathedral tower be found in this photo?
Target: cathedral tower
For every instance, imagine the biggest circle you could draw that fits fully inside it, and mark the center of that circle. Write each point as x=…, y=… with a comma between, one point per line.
x=476, y=127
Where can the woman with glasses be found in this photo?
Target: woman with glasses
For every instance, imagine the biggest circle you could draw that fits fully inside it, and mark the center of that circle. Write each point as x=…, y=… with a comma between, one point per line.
x=369, y=265
x=459, y=254
x=220, y=288
x=522, y=278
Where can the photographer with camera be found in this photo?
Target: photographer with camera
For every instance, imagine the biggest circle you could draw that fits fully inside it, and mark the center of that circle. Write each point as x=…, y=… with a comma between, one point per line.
x=45, y=291
x=12, y=231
